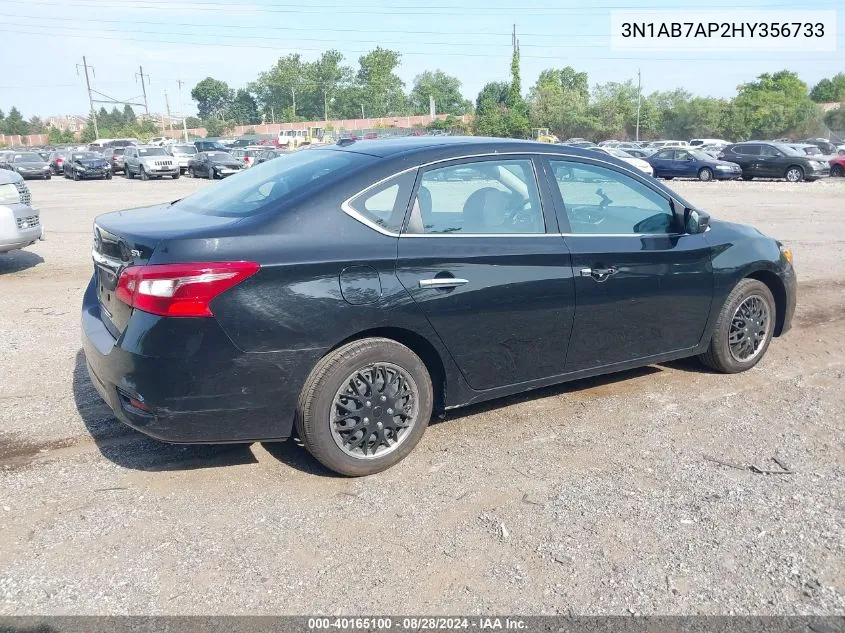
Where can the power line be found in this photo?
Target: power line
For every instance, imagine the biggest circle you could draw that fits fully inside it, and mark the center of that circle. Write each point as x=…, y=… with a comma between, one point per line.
x=409, y=10
x=361, y=51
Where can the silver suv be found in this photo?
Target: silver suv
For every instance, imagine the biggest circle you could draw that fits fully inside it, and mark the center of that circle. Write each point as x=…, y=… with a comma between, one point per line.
x=149, y=162
x=20, y=224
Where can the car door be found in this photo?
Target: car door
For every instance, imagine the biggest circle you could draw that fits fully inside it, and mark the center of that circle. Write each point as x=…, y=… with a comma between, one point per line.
x=661, y=162
x=770, y=162
x=748, y=156
x=684, y=164
x=643, y=287
x=481, y=256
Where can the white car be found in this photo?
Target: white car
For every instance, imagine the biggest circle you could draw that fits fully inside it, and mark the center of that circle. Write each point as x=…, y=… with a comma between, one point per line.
x=20, y=224
x=182, y=153
x=291, y=139
x=698, y=142
x=621, y=154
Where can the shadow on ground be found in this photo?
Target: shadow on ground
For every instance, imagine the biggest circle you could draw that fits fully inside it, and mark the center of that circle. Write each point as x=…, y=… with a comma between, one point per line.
x=130, y=449
x=16, y=261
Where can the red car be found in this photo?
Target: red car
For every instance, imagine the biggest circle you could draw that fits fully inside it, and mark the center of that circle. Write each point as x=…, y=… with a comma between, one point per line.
x=837, y=166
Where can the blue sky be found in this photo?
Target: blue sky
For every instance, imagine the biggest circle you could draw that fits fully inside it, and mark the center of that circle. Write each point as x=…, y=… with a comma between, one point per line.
x=43, y=40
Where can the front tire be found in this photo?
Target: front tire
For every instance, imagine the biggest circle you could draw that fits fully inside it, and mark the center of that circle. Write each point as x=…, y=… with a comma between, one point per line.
x=143, y=173
x=794, y=174
x=744, y=328
x=176, y=175
x=76, y=176
x=705, y=174
x=365, y=406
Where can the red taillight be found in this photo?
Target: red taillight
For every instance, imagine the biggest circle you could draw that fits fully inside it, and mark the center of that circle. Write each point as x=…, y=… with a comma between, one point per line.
x=721, y=155
x=180, y=290
x=246, y=159
x=59, y=161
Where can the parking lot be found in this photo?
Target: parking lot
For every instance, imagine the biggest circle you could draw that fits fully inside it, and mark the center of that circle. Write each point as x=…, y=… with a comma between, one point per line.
x=641, y=492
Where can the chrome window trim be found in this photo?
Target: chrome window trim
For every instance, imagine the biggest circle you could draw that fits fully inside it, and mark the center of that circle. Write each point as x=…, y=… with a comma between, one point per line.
x=349, y=210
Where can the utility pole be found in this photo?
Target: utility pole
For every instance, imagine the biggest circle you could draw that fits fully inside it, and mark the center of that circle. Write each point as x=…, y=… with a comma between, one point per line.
x=90, y=98
x=182, y=111
x=144, y=87
x=272, y=115
x=167, y=106
x=639, y=98
x=362, y=111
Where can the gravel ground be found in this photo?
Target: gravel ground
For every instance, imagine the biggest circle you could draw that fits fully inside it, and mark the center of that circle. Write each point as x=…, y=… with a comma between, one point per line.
x=599, y=496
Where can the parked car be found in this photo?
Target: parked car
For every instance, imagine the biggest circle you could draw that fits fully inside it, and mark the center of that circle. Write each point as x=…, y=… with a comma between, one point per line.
x=210, y=146
x=43, y=153
x=182, y=154
x=269, y=154
x=827, y=148
x=806, y=149
x=837, y=165
x=56, y=161
x=679, y=162
x=248, y=155
x=698, y=142
x=114, y=155
x=623, y=155
x=20, y=224
x=762, y=159
x=639, y=152
x=296, y=294
x=148, y=162
x=157, y=141
x=656, y=145
x=291, y=139
x=213, y=165
x=86, y=165
x=27, y=164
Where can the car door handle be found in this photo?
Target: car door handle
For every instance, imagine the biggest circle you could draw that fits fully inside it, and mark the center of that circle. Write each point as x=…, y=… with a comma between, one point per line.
x=599, y=274
x=442, y=282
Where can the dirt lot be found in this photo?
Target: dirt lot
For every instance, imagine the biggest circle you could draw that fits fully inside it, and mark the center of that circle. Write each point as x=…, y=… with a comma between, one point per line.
x=591, y=497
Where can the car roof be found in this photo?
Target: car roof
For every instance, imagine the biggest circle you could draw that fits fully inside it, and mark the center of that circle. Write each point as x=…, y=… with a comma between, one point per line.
x=442, y=145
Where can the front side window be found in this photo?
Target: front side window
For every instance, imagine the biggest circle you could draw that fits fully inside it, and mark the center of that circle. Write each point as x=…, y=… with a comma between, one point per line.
x=600, y=201
x=768, y=150
x=482, y=197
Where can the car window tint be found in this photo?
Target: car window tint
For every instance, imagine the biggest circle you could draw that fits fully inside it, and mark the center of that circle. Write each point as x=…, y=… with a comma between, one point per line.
x=602, y=201
x=664, y=155
x=682, y=155
x=385, y=204
x=768, y=150
x=494, y=196
x=748, y=150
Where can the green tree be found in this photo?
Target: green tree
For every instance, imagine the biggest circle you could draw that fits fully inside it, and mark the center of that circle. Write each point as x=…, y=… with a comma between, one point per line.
x=213, y=97
x=243, y=110
x=829, y=90
x=36, y=126
x=775, y=105
x=326, y=78
x=215, y=126
x=14, y=123
x=281, y=87
x=835, y=119
x=559, y=101
x=445, y=89
x=56, y=136
x=381, y=89
x=192, y=122
x=129, y=115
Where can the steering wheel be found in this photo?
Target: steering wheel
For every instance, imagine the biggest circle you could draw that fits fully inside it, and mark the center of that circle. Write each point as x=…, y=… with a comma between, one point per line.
x=522, y=215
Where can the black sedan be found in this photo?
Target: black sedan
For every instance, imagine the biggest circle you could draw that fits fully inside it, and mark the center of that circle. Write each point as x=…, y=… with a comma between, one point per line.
x=86, y=165
x=351, y=292
x=759, y=159
x=213, y=165
x=679, y=162
x=28, y=165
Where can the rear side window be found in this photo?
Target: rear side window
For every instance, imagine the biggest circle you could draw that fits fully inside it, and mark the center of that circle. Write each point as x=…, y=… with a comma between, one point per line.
x=747, y=150
x=385, y=204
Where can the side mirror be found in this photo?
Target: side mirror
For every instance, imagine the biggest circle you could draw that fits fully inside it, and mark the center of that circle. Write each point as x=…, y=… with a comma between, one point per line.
x=696, y=220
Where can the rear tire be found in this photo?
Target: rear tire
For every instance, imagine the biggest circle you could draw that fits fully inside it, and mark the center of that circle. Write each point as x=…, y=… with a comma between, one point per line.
x=837, y=171
x=734, y=324
x=364, y=376
x=705, y=174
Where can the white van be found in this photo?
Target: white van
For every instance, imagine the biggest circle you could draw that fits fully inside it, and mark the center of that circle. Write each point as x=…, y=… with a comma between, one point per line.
x=291, y=139
x=708, y=141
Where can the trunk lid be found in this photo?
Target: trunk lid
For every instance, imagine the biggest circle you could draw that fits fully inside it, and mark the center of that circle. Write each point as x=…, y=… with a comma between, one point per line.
x=129, y=238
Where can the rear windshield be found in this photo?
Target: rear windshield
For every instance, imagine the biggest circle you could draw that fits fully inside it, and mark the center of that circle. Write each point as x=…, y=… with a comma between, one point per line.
x=118, y=151
x=256, y=190
x=29, y=157
x=184, y=149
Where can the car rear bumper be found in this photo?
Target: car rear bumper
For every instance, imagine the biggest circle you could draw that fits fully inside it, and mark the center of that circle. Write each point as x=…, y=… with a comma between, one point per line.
x=199, y=387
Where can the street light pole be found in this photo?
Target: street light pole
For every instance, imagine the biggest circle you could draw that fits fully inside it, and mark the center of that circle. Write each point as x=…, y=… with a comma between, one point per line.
x=639, y=98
